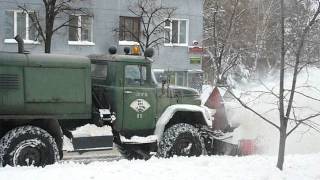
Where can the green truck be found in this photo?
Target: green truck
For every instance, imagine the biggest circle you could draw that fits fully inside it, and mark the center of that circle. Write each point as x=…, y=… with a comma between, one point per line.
x=44, y=96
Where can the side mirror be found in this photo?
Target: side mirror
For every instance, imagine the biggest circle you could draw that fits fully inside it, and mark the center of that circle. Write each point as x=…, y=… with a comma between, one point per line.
x=164, y=80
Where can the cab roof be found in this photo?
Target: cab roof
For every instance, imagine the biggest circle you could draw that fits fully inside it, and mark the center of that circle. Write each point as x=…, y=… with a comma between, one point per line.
x=119, y=58
x=43, y=60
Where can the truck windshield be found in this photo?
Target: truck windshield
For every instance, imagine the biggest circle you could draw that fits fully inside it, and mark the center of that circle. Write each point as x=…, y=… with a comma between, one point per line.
x=135, y=74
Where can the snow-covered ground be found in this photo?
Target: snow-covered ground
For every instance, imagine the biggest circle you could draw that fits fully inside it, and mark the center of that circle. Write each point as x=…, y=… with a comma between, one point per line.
x=297, y=167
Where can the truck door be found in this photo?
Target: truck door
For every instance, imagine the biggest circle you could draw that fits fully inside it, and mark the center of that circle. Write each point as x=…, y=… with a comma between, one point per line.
x=139, y=98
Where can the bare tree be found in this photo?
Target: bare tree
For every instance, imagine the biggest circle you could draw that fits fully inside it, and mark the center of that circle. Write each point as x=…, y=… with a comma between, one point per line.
x=222, y=35
x=54, y=9
x=153, y=15
x=264, y=34
x=285, y=97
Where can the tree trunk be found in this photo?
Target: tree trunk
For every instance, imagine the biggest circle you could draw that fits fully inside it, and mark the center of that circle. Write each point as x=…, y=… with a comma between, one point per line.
x=282, y=147
x=282, y=118
x=218, y=73
x=49, y=33
x=50, y=18
x=47, y=44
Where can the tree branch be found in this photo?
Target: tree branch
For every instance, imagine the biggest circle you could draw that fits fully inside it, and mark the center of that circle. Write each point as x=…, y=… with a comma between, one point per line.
x=255, y=112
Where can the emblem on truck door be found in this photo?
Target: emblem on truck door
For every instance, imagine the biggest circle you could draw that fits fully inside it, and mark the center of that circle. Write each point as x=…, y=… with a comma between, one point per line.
x=140, y=105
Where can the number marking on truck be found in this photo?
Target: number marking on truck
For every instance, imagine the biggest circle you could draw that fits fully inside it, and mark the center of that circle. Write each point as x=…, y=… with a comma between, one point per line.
x=139, y=116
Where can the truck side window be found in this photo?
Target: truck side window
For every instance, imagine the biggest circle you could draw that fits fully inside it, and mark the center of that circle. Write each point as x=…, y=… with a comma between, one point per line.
x=99, y=71
x=135, y=75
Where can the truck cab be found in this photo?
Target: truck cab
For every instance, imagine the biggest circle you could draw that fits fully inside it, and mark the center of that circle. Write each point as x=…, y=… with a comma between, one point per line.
x=123, y=85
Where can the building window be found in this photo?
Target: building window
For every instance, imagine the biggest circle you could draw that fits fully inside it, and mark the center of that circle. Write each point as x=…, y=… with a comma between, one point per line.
x=80, y=30
x=19, y=22
x=129, y=30
x=176, y=32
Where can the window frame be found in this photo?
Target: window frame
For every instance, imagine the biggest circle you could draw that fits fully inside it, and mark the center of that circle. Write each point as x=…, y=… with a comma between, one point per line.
x=15, y=28
x=170, y=30
x=128, y=42
x=79, y=32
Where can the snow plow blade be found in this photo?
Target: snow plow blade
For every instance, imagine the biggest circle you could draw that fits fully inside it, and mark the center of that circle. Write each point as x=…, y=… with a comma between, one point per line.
x=226, y=148
x=92, y=143
x=218, y=143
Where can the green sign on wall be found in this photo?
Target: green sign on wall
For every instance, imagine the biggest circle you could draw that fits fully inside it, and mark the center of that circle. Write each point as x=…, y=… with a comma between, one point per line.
x=195, y=60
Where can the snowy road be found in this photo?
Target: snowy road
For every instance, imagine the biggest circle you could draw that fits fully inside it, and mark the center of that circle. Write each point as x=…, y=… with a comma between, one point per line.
x=297, y=167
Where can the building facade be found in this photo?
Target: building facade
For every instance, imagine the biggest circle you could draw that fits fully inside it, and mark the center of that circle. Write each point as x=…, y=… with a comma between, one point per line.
x=97, y=33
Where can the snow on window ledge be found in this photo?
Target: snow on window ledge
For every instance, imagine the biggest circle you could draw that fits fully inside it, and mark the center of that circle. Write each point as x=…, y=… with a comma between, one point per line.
x=127, y=43
x=13, y=41
x=81, y=43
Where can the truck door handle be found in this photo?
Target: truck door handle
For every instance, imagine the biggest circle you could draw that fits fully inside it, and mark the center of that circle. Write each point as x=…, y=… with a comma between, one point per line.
x=128, y=92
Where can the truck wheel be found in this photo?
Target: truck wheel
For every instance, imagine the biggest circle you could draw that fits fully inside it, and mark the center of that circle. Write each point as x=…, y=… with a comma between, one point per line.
x=132, y=152
x=181, y=140
x=26, y=146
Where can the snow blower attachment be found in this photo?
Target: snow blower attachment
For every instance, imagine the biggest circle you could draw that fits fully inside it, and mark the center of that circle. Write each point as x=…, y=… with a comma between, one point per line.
x=219, y=139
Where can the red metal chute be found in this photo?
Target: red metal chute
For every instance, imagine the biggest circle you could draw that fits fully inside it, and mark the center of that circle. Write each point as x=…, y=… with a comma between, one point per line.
x=215, y=101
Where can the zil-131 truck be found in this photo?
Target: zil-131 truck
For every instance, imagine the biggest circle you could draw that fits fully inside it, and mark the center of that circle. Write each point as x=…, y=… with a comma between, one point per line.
x=44, y=96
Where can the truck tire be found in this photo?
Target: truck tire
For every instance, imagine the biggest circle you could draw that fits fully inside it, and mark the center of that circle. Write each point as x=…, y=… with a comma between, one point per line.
x=181, y=140
x=132, y=152
x=26, y=146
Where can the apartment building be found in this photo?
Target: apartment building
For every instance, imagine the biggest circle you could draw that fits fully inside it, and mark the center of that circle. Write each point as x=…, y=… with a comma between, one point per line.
x=179, y=55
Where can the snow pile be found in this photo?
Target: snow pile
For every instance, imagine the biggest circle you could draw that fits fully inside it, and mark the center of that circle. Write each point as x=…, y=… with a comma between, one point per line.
x=67, y=144
x=304, y=139
x=92, y=130
x=297, y=167
x=139, y=140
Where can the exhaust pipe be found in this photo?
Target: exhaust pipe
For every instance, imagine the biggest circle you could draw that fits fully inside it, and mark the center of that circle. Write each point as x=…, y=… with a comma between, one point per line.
x=20, y=44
